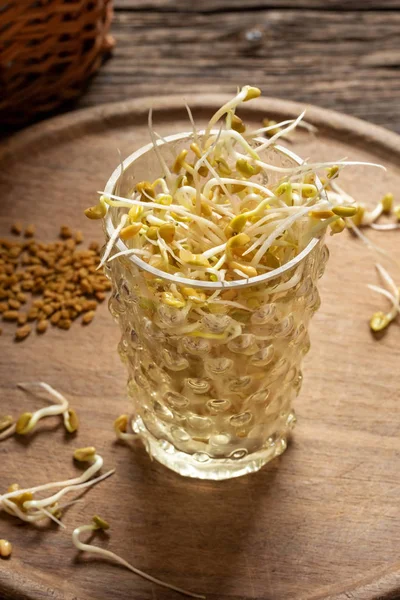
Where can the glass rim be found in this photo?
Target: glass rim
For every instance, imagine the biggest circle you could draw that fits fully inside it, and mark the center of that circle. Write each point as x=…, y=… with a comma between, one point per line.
x=208, y=285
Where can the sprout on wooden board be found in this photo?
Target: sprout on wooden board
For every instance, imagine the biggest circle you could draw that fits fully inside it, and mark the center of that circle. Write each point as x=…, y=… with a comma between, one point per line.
x=100, y=524
x=27, y=421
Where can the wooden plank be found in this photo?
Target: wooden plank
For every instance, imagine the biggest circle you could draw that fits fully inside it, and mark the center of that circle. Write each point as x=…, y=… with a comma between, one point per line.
x=346, y=61
x=322, y=521
x=240, y=5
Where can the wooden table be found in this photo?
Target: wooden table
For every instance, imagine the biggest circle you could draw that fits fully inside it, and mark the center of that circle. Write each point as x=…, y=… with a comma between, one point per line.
x=339, y=54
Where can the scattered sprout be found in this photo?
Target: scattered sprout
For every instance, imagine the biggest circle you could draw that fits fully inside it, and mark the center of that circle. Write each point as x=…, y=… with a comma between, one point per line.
x=381, y=320
x=99, y=523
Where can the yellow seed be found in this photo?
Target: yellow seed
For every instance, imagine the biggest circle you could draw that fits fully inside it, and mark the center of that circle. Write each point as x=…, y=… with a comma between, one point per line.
x=181, y=218
x=121, y=424
x=253, y=303
x=270, y=123
x=246, y=269
x=84, y=454
x=237, y=124
x=358, y=217
x=167, y=232
x=379, y=321
x=332, y=172
x=213, y=277
x=345, y=211
x=270, y=260
x=100, y=523
x=196, y=149
x=96, y=212
x=5, y=548
x=194, y=295
x=176, y=167
x=13, y=488
x=337, y=226
x=237, y=241
x=22, y=425
x=197, y=260
x=245, y=168
x=6, y=422
x=236, y=225
x=135, y=213
x=72, y=423
x=387, y=203
x=308, y=190
x=21, y=499
x=321, y=214
x=205, y=209
x=130, y=231
x=223, y=167
x=145, y=189
x=396, y=211
x=164, y=199
x=171, y=300
x=252, y=92
x=151, y=233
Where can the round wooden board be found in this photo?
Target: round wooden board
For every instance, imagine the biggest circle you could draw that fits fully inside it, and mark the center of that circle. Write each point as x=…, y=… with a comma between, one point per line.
x=320, y=522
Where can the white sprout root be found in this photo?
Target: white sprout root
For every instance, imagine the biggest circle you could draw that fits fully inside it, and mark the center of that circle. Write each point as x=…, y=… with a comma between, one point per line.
x=28, y=421
x=100, y=524
x=22, y=504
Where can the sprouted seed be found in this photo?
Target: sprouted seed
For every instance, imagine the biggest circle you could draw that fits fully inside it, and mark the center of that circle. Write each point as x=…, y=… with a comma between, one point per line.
x=27, y=421
x=380, y=320
x=22, y=503
x=99, y=524
x=212, y=216
x=121, y=429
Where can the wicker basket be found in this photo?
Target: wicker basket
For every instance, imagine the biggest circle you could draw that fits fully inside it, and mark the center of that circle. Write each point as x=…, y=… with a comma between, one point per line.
x=48, y=49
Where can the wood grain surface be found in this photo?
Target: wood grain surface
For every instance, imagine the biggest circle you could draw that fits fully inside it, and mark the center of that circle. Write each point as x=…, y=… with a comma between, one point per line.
x=320, y=522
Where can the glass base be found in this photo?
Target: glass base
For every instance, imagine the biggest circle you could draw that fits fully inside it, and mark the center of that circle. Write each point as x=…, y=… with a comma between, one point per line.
x=216, y=469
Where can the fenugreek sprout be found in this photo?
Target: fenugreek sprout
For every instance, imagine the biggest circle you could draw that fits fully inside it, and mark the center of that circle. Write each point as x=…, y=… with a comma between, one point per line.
x=99, y=523
x=27, y=421
x=23, y=504
x=380, y=320
x=121, y=429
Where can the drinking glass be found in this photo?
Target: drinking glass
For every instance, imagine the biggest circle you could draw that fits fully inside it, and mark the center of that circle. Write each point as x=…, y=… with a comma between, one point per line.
x=212, y=384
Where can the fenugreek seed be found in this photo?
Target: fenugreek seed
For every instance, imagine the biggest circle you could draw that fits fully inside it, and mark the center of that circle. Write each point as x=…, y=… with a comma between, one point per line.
x=171, y=300
x=30, y=231
x=223, y=167
x=176, y=167
x=54, y=319
x=94, y=246
x=96, y=212
x=27, y=285
x=41, y=326
x=100, y=523
x=32, y=314
x=22, y=318
x=84, y=454
x=387, y=203
x=196, y=260
x=196, y=149
x=22, y=425
x=15, y=252
x=194, y=295
x=72, y=422
x=78, y=237
x=337, y=226
x=88, y=317
x=379, y=321
x=130, y=231
x=344, y=211
x=245, y=168
x=246, y=269
x=321, y=214
x=164, y=199
x=100, y=296
x=21, y=297
x=252, y=92
x=241, y=239
x=22, y=332
x=64, y=314
x=237, y=124
x=64, y=324
x=3, y=306
x=16, y=228
x=167, y=232
x=10, y=315
x=6, y=422
x=5, y=548
x=121, y=424
x=332, y=172
x=14, y=304
x=14, y=487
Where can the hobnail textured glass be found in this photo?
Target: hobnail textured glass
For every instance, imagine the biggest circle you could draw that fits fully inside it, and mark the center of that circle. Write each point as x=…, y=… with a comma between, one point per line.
x=220, y=406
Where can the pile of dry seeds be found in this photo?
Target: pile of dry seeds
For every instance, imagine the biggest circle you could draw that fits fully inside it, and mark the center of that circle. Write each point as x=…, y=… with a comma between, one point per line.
x=52, y=282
